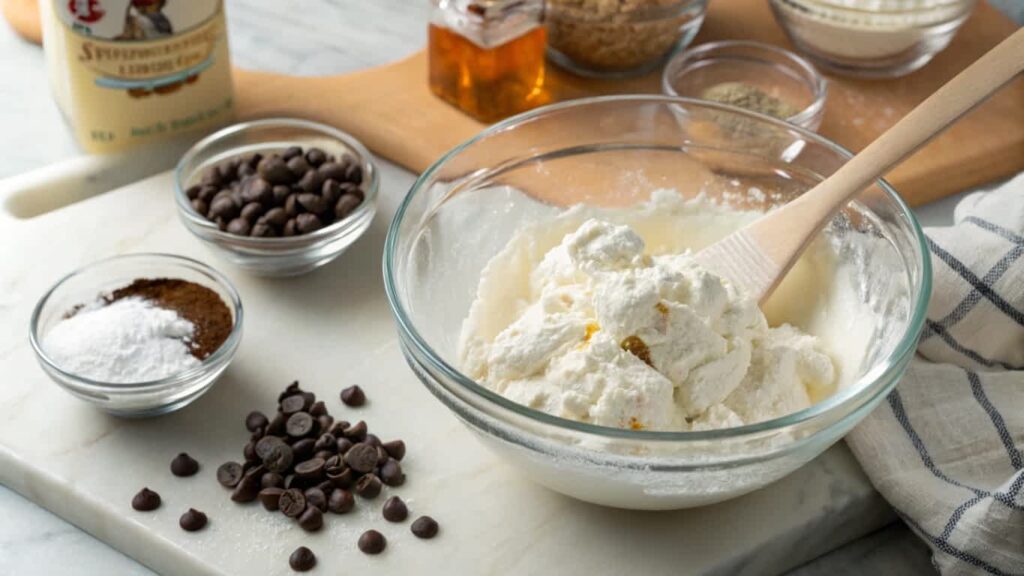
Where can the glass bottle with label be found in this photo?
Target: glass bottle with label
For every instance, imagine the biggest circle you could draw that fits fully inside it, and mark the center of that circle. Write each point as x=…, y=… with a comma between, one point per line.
x=132, y=72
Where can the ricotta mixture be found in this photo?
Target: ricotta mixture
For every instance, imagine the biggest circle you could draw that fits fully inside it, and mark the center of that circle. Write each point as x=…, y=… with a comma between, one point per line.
x=602, y=331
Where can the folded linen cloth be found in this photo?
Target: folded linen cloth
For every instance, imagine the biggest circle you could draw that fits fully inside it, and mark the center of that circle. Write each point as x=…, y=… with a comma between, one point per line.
x=947, y=447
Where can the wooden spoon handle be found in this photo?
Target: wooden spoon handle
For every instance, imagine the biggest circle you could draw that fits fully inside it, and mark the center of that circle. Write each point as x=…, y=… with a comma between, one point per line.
x=809, y=213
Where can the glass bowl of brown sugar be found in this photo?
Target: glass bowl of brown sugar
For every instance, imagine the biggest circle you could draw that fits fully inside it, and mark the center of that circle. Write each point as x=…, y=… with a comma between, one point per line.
x=139, y=334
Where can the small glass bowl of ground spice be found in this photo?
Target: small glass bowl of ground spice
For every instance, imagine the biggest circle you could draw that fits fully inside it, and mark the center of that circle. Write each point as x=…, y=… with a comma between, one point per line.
x=140, y=334
x=750, y=75
x=277, y=197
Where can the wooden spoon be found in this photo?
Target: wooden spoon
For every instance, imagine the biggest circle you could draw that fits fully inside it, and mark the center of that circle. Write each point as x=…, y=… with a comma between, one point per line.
x=757, y=257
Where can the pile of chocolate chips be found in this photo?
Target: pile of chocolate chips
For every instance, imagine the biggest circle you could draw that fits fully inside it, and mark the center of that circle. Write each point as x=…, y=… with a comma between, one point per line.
x=288, y=194
x=304, y=463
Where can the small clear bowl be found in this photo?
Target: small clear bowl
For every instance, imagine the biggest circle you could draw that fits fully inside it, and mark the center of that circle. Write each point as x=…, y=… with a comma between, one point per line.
x=281, y=256
x=620, y=39
x=778, y=72
x=885, y=39
x=141, y=399
x=614, y=152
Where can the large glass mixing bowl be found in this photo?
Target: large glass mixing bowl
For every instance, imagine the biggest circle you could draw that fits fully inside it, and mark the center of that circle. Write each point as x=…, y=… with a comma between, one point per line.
x=615, y=151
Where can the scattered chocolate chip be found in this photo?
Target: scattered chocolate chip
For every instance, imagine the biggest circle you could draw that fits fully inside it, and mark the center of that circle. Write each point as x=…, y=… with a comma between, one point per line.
x=249, y=452
x=391, y=473
x=299, y=425
x=312, y=468
x=340, y=501
x=372, y=542
x=323, y=454
x=302, y=560
x=229, y=474
x=267, y=443
x=356, y=432
x=326, y=441
x=146, y=500
x=395, y=510
x=276, y=426
x=361, y=457
x=353, y=396
x=248, y=487
x=271, y=480
x=326, y=486
x=304, y=449
x=271, y=498
x=312, y=519
x=279, y=459
x=325, y=421
x=372, y=440
x=424, y=527
x=368, y=486
x=341, y=477
x=318, y=409
x=192, y=520
x=293, y=404
x=315, y=497
x=292, y=502
x=344, y=445
x=184, y=465
x=395, y=448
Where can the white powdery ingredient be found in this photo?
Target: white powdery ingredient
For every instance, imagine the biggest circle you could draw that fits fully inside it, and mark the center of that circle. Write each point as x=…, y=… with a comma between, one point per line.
x=711, y=361
x=127, y=341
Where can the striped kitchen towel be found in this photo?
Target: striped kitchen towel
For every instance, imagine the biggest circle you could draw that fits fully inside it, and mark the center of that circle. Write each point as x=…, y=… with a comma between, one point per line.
x=946, y=448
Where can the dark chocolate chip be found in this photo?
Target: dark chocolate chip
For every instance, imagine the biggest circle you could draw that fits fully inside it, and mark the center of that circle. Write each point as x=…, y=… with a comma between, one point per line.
x=396, y=448
x=325, y=421
x=340, y=501
x=249, y=452
x=279, y=194
x=259, y=191
x=326, y=487
x=302, y=560
x=239, y=227
x=206, y=193
x=223, y=207
x=211, y=177
x=290, y=228
x=341, y=477
x=201, y=207
x=292, y=502
x=316, y=156
x=279, y=459
x=313, y=468
x=424, y=527
x=372, y=440
x=354, y=173
x=315, y=497
x=299, y=425
x=298, y=166
x=311, y=182
x=344, y=445
x=330, y=191
x=332, y=170
x=369, y=486
x=248, y=488
x=361, y=457
x=291, y=389
x=251, y=212
x=346, y=205
x=304, y=449
x=267, y=443
x=291, y=205
x=276, y=426
x=192, y=520
x=338, y=428
x=395, y=510
x=318, y=409
x=391, y=473
x=293, y=404
x=229, y=474
x=192, y=192
x=184, y=465
x=276, y=217
x=372, y=542
x=306, y=223
x=326, y=442
x=271, y=498
x=263, y=230
x=356, y=432
x=271, y=480
x=274, y=170
x=382, y=456
x=291, y=152
x=256, y=420
x=146, y=500
x=313, y=203
x=353, y=396
x=312, y=519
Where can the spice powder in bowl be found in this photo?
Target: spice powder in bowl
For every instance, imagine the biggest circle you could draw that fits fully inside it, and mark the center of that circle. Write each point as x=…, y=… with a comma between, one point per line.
x=148, y=330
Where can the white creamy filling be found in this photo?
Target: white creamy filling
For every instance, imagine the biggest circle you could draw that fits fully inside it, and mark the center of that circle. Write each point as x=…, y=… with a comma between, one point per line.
x=600, y=330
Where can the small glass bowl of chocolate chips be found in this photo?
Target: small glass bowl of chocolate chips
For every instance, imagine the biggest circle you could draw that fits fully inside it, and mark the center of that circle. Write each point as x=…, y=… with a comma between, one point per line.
x=277, y=197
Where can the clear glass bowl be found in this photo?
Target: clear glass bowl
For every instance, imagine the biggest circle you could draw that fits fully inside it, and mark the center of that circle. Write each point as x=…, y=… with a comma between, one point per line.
x=282, y=256
x=615, y=151
x=881, y=39
x=143, y=398
x=776, y=71
x=619, y=39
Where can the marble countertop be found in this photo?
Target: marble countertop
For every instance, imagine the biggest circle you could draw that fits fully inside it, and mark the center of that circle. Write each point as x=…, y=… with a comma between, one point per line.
x=323, y=37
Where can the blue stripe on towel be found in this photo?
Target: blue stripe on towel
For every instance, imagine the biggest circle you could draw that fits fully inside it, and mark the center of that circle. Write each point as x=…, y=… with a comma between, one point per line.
x=996, y=229
x=951, y=550
x=952, y=343
x=986, y=290
x=997, y=419
x=974, y=296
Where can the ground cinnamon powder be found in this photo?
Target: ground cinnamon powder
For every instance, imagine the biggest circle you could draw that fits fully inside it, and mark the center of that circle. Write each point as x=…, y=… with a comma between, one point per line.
x=196, y=303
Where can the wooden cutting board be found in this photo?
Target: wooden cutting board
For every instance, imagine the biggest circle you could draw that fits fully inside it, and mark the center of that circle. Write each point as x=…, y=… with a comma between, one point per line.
x=391, y=109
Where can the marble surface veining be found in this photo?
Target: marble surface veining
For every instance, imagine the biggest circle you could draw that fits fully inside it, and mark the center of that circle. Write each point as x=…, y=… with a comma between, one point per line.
x=304, y=37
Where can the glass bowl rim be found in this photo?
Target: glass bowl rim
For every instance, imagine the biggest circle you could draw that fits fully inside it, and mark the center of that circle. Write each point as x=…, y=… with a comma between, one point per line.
x=858, y=393
x=809, y=75
x=648, y=13
x=283, y=242
x=223, y=353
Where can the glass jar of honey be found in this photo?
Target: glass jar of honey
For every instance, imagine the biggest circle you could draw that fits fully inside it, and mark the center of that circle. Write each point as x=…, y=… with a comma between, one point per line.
x=487, y=56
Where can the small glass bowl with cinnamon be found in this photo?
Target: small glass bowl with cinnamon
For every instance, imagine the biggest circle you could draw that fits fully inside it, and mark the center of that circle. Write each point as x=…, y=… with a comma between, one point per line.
x=101, y=281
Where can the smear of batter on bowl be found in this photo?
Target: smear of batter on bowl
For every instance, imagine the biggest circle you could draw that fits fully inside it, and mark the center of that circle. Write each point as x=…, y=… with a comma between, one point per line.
x=601, y=330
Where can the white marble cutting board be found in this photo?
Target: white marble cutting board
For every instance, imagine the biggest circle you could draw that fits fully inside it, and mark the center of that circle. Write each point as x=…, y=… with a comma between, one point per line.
x=331, y=329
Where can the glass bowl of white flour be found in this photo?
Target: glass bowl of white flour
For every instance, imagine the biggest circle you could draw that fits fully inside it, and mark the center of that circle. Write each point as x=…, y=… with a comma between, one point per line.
x=542, y=282
x=139, y=364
